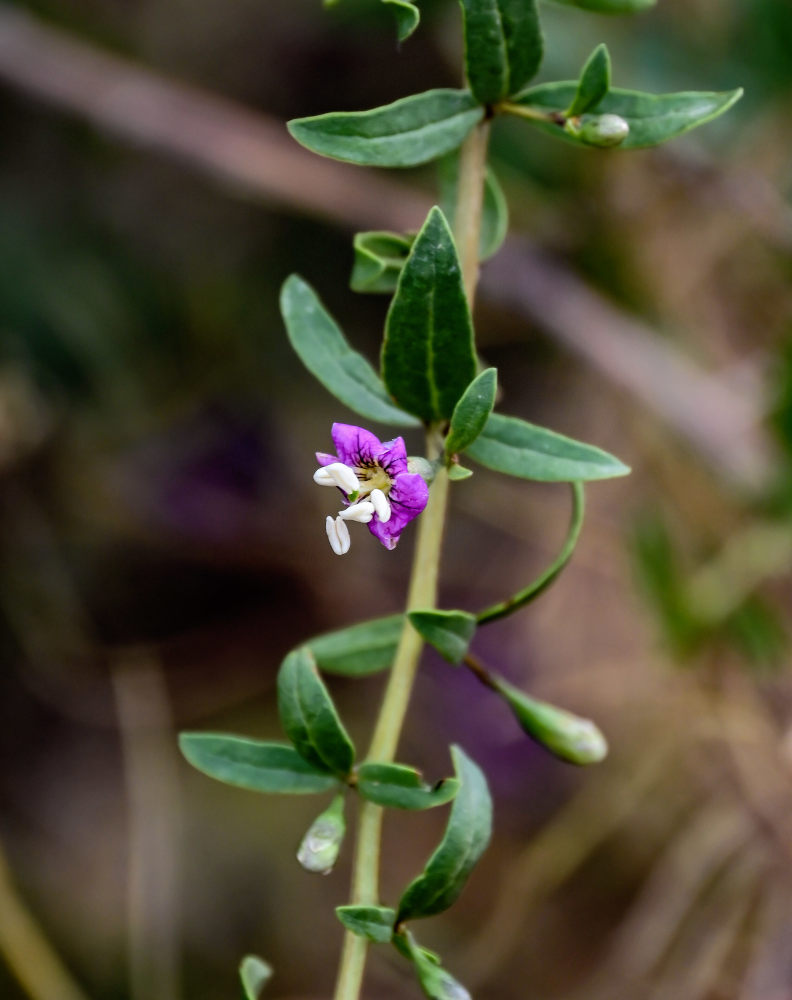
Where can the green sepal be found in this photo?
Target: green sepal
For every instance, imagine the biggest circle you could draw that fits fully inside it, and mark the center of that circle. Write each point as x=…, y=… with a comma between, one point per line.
x=402, y=787
x=503, y=46
x=456, y=473
x=407, y=16
x=319, y=849
x=566, y=736
x=449, y=632
x=359, y=650
x=517, y=448
x=323, y=349
x=428, y=358
x=651, y=118
x=309, y=717
x=594, y=82
x=494, y=208
x=610, y=6
x=254, y=764
x=412, y=130
x=471, y=412
x=466, y=837
x=254, y=974
x=379, y=259
x=436, y=983
x=374, y=923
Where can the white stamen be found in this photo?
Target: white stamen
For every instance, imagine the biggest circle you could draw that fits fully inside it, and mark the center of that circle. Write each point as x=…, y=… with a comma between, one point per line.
x=381, y=506
x=363, y=512
x=323, y=478
x=342, y=476
x=338, y=535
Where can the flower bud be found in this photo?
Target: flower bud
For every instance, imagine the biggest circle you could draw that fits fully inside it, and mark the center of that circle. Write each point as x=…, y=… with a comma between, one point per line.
x=604, y=130
x=320, y=846
x=575, y=740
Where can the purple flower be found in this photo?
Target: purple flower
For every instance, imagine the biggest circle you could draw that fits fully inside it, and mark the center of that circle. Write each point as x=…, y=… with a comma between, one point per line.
x=379, y=490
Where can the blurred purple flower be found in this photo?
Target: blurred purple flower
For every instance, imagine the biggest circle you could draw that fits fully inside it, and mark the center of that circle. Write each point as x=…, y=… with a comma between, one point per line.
x=379, y=489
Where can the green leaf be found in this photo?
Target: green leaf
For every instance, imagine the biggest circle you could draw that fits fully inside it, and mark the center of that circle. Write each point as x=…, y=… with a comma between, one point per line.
x=359, y=650
x=510, y=445
x=309, y=717
x=610, y=6
x=594, y=82
x=466, y=837
x=375, y=923
x=255, y=973
x=449, y=632
x=471, y=412
x=402, y=787
x=379, y=259
x=319, y=849
x=503, y=46
x=436, y=983
x=253, y=764
x=323, y=349
x=407, y=17
x=428, y=358
x=567, y=736
x=457, y=473
x=652, y=119
x=494, y=209
x=408, y=132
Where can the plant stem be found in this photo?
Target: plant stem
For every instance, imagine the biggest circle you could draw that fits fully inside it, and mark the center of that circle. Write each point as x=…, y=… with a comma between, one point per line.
x=422, y=591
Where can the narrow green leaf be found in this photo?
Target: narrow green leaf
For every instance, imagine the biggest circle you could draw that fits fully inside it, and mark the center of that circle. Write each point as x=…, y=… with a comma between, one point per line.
x=466, y=837
x=543, y=581
x=359, y=650
x=567, y=736
x=323, y=349
x=651, y=118
x=471, y=412
x=494, y=209
x=449, y=632
x=457, y=473
x=594, y=82
x=407, y=17
x=319, y=849
x=428, y=358
x=408, y=132
x=520, y=449
x=402, y=787
x=253, y=764
x=375, y=923
x=255, y=973
x=610, y=6
x=379, y=259
x=503, y=46
x=436, y=983
x=309, y=717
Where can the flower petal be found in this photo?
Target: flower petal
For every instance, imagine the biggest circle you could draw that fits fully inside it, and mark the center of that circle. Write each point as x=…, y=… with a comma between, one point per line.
x=407, y=498
x=393, y=457
x=355, y=446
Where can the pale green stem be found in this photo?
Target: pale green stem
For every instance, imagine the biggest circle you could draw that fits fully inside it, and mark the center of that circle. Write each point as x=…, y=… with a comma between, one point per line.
x=422, y=591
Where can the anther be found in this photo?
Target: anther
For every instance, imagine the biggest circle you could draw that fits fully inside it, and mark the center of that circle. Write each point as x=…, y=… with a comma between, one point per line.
x=362, y=512
x=381, y=506
x=337, y=474
x=338, y=535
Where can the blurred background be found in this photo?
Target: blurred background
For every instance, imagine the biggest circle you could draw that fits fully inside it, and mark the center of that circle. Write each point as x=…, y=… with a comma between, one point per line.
x=162, y=545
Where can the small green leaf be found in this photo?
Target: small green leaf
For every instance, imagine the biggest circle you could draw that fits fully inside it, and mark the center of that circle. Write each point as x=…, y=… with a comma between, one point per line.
x=408, y=132
x=428, y=358
x=503, y=46
x=494, y=209
x=309, y=717
x=594, y=82
x=436, y=983
x=359, y=650
x=466, y=837
x=610, y=6
x=457, y=473
x=407, y=17
x=253, y=764
x=471, y=412
x=575, y=740
x=651, y=118
x=379, y=259
x=449, y=632
x=520, y=449
x=375, y=923
x=319, y=849
x=323, y=349
x=255, y=973
x=402, y=787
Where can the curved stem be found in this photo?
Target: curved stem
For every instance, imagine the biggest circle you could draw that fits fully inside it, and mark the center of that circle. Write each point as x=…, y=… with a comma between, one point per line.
x=422, y=592
x=543, y=581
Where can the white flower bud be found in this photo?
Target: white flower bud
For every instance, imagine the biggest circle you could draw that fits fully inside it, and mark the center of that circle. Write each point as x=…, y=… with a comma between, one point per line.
x=380, y=505
x=338, y=535
x=362, y=512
